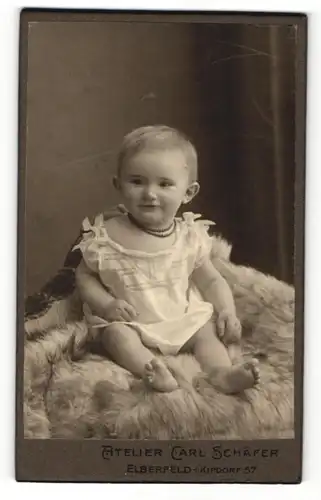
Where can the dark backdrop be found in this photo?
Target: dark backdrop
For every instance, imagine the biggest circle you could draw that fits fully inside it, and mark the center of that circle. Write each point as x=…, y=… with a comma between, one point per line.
x=229, y=86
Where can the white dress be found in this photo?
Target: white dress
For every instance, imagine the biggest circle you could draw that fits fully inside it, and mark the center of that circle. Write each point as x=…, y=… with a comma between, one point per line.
x=170, y=308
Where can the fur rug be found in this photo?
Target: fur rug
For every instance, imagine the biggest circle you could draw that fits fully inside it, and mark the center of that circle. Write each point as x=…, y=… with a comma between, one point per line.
x=72, y=391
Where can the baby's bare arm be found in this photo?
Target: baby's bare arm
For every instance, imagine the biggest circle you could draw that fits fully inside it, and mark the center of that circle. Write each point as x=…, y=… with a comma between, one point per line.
x=213, y=287
x=99, y=300
x=91, y=290
x=216, y=290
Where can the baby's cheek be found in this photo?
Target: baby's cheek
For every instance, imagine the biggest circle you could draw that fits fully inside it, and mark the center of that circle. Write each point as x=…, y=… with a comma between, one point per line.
x=172, y=201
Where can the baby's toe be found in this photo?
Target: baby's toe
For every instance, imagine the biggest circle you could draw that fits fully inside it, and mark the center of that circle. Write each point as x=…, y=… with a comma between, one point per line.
x=149, y=368
x=149, y=372
x=253, y=367
x=256, y=375
x=248, y=366
x=156, y=365
x=255, y=370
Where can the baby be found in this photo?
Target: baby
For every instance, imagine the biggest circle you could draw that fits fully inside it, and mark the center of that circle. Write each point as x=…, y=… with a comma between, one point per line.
x=146, y=277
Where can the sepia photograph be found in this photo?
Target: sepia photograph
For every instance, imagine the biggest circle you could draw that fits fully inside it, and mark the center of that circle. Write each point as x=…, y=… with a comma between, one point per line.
x=161, y=164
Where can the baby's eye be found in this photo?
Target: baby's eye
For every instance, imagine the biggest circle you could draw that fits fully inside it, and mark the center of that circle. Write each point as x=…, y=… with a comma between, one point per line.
x=136, y=181
x=166, y=184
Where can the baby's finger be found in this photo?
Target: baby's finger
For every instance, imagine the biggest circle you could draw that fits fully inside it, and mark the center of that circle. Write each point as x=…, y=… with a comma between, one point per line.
x=124, y=316
x=121, y=208
x=221, y=325
x=114, y=211
x=130, y=310
x=237, y=326
x=111, y=213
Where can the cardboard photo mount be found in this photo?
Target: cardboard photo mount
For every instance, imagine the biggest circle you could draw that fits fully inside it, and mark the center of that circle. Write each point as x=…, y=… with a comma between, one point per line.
x=156, y=460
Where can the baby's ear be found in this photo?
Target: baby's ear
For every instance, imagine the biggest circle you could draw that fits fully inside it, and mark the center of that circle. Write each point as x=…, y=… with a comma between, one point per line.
x=116, y=182
x=191, y=192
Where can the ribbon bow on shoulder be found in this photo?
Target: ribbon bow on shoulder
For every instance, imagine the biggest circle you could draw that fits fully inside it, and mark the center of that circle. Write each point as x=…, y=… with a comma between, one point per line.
x=190, y=218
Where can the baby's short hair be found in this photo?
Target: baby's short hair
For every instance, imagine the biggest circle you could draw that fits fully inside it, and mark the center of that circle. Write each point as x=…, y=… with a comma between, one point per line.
x=158, y=137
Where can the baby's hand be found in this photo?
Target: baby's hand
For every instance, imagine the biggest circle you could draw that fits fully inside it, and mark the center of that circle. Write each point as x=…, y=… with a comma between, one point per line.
x=228, y=327
x=114, y=212
x=119, y=310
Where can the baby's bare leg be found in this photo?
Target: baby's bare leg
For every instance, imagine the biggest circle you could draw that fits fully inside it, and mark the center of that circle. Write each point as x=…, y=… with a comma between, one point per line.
x=209, y=351
x=214, y=359
x=125, y=347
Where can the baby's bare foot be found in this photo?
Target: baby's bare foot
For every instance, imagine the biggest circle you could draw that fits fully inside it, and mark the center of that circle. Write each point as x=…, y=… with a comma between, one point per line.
x=234, y=379
x=159, y=377
x=237, y=378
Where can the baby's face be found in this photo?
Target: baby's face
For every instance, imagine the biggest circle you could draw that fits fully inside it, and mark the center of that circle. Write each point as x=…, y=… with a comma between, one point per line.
x=153, y=185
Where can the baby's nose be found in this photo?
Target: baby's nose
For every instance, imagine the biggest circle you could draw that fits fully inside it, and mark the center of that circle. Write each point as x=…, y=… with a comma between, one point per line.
x=150, y=193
